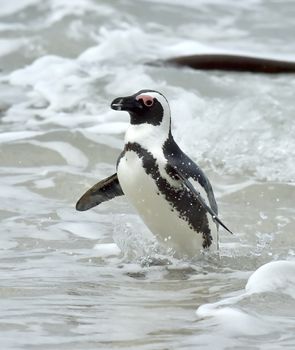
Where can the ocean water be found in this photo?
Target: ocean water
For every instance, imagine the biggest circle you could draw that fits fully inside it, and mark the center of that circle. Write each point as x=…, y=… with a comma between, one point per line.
x=99, y=279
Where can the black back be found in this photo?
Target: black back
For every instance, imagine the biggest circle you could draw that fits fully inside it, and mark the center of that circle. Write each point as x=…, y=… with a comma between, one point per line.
x=188, y=168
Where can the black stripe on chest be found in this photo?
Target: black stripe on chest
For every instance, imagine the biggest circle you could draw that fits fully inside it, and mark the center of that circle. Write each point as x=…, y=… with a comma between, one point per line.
x=180, y=199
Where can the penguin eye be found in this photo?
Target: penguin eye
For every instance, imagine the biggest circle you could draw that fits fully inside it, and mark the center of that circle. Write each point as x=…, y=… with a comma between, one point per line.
x=148, y=101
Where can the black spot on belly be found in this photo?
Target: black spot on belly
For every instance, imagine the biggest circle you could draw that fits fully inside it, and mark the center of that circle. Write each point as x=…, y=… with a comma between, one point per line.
x=180, y=198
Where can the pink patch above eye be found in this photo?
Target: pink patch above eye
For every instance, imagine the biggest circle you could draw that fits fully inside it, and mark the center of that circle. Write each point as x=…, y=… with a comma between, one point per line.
x=147, y=100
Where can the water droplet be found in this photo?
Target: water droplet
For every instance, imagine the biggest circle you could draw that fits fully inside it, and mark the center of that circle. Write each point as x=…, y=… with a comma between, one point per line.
x=263, y=215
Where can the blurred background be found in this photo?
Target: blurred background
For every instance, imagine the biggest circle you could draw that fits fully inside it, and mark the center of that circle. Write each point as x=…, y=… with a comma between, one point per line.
x=99, y=279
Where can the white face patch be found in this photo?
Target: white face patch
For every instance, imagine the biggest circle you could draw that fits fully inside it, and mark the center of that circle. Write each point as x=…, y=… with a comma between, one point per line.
x=162, y=100
x=147, y=135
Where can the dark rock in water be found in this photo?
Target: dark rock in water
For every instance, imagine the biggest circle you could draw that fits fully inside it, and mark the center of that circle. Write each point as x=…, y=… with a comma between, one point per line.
x=225, y=62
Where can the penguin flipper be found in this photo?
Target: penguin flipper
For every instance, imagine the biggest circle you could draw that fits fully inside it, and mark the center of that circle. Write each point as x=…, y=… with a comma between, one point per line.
x=189, y=185
x=103, y=191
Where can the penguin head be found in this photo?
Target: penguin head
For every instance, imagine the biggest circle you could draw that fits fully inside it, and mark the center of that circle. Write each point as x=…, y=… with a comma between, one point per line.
x=145, y=107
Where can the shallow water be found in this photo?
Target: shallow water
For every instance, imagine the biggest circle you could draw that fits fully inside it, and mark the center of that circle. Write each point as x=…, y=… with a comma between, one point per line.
x=98, y=279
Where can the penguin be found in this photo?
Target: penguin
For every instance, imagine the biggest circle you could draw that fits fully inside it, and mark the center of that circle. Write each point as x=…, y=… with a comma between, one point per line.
x=169, y=191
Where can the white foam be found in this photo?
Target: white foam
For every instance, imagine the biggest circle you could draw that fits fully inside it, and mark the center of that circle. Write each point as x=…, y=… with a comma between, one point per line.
x=108, y=128
x=72, y=155
x=256, y=141
x=89, y=230
x=200, y=3
x=13, y=197
x=107, y=140
x=119, y=45
x=18, y=135
x=45, y=183
x=127, y=82
x=11, y=45
x=11, y=7
x=233, y=321
x=5, y=244
x=276, y=276
x=107, y=249
x=60, y=81
x=133, y=238
x=60, y=9
x=247, y=144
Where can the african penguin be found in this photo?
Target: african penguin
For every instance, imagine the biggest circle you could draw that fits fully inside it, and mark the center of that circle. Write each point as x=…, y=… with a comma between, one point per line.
x=169, y=191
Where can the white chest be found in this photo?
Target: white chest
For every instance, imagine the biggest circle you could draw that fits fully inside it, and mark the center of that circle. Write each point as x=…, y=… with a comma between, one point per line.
x=158, y=214
x=139, y=187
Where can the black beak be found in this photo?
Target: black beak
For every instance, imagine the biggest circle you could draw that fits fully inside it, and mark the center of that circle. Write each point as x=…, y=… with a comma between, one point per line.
x=129, y=104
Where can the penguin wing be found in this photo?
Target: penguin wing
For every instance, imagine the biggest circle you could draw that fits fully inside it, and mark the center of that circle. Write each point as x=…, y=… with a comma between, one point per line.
x=103, y=191
x=200, y=199
x=188, y=184
x=198, y=175
x=189, y=169
x=180, y=164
